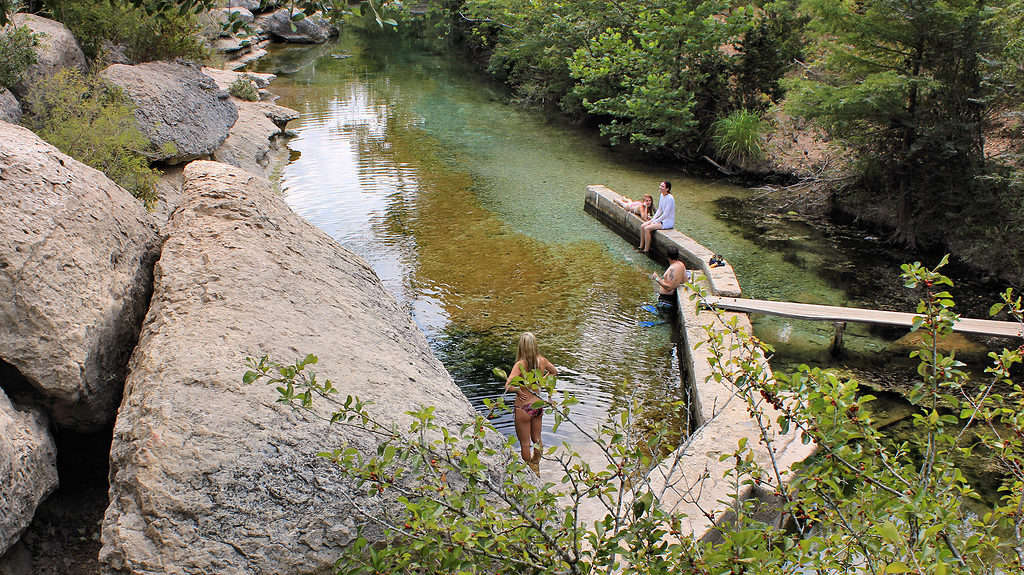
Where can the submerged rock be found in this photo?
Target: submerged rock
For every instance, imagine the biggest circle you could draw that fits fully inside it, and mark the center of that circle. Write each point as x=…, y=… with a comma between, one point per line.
x=182, y=111
x=211, y=476
x=76, y=260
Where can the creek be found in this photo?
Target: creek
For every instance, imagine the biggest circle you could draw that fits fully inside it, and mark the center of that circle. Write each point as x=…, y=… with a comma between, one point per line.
x=470, y=209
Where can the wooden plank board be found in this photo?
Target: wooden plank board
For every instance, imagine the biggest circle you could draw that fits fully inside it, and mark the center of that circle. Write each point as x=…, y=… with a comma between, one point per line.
x=835, y=313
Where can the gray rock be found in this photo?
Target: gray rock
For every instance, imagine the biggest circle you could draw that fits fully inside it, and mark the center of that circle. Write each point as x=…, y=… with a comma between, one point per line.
x=76, y=261
x=313, y=29
x=211, y=476
x=168, y=192
x=225, y=78
x=243, y=14
x=229, y=45
x=215, y=21
x=17, y=561
x=254, y=137
x=244, y=58
x=280, y=115
x=28, y=469
x=183, y=112
x=10, y=108
x=112, y=53
x=57, y=49
x=252, y=6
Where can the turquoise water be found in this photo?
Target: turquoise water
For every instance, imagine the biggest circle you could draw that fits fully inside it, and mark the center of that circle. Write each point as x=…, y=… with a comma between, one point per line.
x=471, y=212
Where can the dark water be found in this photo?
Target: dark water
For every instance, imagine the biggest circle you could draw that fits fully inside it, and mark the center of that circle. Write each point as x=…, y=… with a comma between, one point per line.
x=471, y=212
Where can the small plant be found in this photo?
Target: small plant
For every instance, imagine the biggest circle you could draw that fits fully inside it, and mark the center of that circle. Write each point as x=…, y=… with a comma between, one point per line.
x=737, y=137
x=17, y=53
x=93, y=122
x=244, y=88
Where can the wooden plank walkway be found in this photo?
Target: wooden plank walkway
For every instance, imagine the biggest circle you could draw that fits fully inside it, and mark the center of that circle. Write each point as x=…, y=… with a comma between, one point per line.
x=834, y=313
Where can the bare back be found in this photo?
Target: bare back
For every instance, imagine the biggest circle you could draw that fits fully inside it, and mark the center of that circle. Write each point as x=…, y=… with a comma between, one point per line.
x=675, y=276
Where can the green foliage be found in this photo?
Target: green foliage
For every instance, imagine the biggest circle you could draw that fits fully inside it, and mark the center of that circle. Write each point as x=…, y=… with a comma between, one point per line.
x=653, y=75
x=244, y=88
x=17, y=53
x=905, y=83
x=863, y=504
x=146, y=33
x=94, y=123
x=737, y=137
x=7, y=8
x=774, y=40
x=529, y=44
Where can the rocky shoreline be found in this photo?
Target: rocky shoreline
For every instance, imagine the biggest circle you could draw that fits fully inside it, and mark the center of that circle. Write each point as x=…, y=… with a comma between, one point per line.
x=132, y=327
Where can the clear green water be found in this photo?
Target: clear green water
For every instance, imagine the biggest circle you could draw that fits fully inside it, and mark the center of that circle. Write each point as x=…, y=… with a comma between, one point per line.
x=471, y=212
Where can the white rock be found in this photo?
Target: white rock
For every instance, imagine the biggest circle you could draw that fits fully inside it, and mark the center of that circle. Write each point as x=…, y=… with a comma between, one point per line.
x=28, y=469
x=10, y=108
x=208, y=474
x=76, y=258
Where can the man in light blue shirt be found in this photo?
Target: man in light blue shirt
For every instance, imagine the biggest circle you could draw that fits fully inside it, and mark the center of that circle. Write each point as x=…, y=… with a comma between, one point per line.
x=663, y=219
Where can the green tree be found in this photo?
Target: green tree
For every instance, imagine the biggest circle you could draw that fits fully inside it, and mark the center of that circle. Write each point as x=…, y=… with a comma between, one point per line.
x=901, y=82
x=653, y=75
x=661, y=80
x=863, y=504
x=767, y=50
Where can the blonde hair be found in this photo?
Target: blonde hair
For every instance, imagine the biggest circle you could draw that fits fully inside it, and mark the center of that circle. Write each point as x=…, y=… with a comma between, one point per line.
x=647, y=197
x=526, y=352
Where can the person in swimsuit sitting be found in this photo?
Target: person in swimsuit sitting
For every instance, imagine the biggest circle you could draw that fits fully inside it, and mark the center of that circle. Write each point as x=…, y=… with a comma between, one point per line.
x=644, y=208
x=663, y=219
x=527, y=417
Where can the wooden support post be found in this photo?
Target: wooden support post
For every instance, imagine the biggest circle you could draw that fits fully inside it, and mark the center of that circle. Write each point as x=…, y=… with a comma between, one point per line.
x=837, y=339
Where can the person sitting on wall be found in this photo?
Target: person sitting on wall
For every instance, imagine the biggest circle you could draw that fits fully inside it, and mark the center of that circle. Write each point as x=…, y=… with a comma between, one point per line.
x=663, y=219
x=643, y=208
x=674, y=276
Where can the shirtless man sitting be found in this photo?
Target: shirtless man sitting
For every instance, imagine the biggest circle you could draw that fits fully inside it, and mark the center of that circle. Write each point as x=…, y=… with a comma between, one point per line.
x=674, y=276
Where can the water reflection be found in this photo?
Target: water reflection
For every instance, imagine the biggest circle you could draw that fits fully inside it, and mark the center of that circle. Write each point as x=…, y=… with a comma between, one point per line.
x=471, y=213
x=371, y=174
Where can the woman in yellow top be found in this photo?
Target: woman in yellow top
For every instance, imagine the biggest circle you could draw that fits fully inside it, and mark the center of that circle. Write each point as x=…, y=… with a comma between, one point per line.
x=527, y=417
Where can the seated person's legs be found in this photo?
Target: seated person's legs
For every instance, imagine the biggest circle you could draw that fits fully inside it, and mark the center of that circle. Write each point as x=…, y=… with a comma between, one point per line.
x=646, y=230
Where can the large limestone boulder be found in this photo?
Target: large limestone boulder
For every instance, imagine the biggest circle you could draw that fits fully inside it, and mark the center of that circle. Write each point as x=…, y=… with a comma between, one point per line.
x=210, y=475
x=76, y=259
x=28, y=468
x=313, y=29
x=10, y=108
x=57, y=49
x=182, y=111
